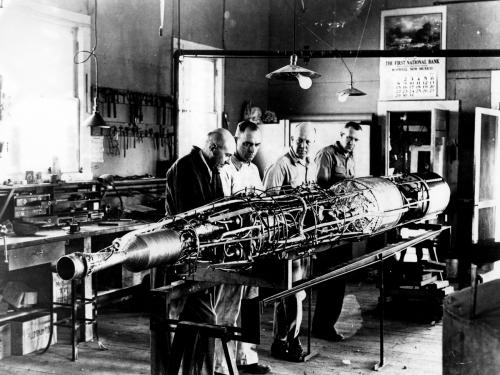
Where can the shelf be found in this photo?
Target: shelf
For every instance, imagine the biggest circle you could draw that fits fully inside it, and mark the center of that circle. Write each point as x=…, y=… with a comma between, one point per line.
x=76, y=201
x=20, y=313
x=107, y=296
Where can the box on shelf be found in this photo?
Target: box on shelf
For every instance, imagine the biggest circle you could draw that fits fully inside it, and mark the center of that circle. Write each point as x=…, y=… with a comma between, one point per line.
x=19, y=295
x=31, y=333
x=5, y=340
x=61, y=289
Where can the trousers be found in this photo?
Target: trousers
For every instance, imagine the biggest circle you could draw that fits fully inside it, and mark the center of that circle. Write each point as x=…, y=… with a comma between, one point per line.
x=228, y=309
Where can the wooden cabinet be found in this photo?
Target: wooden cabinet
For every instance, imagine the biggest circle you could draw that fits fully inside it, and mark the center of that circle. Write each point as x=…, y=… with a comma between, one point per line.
x=415, y=135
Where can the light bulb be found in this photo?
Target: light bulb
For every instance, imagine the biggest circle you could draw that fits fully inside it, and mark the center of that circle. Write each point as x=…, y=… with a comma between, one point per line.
x=342, y=96
x=304, y=82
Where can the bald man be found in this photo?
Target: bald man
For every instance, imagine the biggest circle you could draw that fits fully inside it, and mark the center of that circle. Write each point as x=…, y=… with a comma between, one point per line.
x=293, y=169
x=193, y=181
x=290, y=171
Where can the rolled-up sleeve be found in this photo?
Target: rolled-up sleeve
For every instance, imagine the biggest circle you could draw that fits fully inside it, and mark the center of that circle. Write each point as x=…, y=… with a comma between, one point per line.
x=324, y=166
x=274, y=177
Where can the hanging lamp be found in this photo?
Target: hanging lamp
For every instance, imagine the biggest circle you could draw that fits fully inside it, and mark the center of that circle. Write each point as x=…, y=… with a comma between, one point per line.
x=292, y=71
x=95, y=120
x=349, y=91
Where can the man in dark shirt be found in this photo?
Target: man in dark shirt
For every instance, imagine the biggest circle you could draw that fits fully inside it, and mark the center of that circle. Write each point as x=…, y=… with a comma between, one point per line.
x=194, y=181
x=334, y=163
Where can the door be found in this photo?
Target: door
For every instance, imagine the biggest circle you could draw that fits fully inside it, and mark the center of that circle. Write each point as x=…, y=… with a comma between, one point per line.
x=485, y=223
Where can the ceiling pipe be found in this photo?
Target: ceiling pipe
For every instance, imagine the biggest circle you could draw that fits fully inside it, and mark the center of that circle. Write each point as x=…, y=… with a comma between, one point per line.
x=315, y=54
x=458, y=2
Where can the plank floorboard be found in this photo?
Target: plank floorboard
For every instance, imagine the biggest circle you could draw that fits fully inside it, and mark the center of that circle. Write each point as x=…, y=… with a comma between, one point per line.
x=411, y=347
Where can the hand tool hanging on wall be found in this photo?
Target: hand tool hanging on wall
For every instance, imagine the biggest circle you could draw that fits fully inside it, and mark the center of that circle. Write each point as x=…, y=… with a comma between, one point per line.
x=135, y=130
x=157, y=140
x=150, y=134
x=113, y=99
x=123, y=140
x=109, y=138
x=107, y=98
x=126, y=136
x=113, y=142
x=170, y=142
x=116, y=142
x=157, y=109
x=162, y=138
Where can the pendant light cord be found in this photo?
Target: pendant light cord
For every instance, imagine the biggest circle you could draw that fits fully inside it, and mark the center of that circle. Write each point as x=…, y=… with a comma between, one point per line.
x=294, y=22
x=330, y=45
x=91, y=54
x=363, y=32
x=178, y=25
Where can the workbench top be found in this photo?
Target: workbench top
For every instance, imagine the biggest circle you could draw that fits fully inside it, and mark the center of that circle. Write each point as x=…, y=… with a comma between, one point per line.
x=54, y=235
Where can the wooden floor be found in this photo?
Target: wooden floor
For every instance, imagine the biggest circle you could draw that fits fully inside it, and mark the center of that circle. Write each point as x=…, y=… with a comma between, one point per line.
x=412, y=347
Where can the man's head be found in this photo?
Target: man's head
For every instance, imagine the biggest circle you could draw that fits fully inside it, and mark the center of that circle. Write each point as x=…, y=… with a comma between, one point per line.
x=248, y=138
x=303, y=136
x=219, y=147
x=350, y=135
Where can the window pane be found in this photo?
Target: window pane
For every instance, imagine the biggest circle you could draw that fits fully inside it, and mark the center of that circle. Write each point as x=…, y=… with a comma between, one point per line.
x=199, y=85
x=40, y=121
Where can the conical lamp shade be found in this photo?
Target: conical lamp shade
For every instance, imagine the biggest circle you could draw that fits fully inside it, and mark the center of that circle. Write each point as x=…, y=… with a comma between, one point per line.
x=96, y=121
x=289, y=72
x=352, y=91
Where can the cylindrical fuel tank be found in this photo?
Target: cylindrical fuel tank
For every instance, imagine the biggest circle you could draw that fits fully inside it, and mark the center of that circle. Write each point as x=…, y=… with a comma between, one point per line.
x=427, y=193
x=379, y=199
x=152, y=249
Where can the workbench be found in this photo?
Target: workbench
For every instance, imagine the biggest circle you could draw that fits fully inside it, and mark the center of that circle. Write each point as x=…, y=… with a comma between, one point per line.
x=31, y=258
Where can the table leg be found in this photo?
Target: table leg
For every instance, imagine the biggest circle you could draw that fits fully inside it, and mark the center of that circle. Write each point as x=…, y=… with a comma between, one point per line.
x=87, y=293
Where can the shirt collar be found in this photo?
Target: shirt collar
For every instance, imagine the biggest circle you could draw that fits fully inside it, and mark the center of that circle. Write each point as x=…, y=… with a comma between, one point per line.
x=296, y=160
x=238, y=162
x=197, y=151
x=341, y=150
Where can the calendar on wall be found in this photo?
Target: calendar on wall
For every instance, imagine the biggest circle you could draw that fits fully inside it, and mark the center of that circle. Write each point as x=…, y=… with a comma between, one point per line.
x=413, y=78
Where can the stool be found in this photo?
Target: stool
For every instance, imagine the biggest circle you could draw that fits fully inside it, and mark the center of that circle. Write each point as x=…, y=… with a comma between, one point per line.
x=187, y=330
x=74, y=322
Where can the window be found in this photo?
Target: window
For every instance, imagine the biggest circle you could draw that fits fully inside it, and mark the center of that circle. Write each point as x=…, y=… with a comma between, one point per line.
x=42, y=87
x=200, y=98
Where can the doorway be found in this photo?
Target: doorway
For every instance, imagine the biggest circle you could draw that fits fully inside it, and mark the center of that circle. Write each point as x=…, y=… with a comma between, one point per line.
x=486, y=217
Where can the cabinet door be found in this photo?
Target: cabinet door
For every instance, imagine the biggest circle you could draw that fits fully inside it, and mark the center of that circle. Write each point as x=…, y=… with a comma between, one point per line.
x=439, y=132
x=486, y=175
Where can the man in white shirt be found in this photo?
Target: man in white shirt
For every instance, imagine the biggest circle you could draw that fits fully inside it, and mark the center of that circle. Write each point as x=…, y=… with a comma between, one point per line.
x=288, y=172
x=240, y=176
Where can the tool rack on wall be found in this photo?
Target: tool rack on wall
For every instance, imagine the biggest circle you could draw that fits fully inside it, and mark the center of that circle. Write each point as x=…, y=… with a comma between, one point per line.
x=134, y=118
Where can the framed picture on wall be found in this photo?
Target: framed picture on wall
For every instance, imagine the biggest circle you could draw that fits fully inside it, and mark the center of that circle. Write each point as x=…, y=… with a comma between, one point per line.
x=413, y=78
